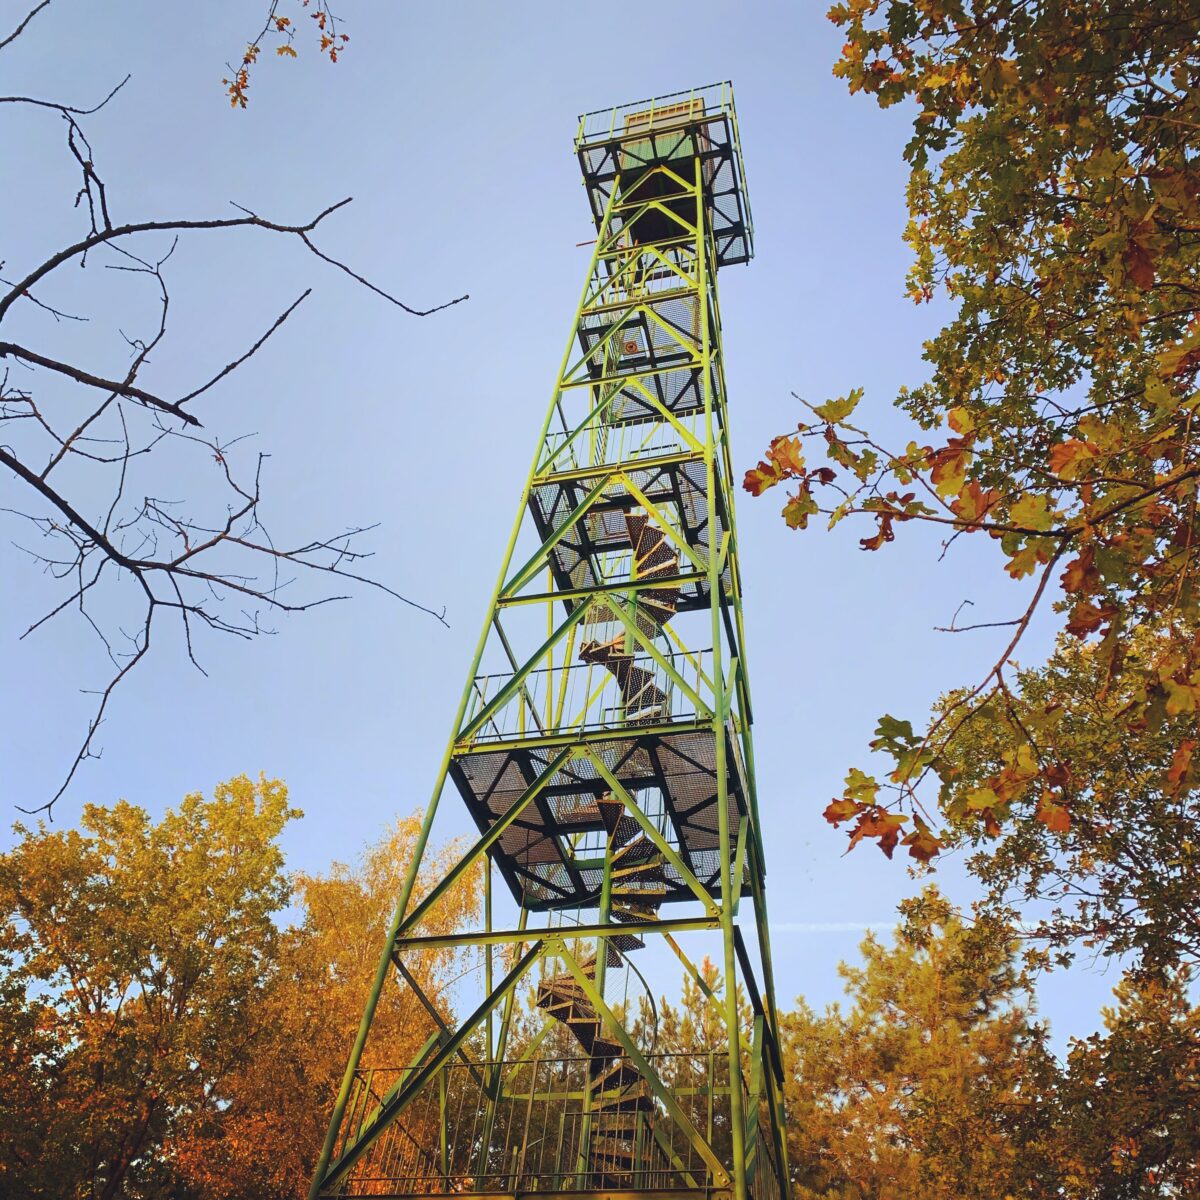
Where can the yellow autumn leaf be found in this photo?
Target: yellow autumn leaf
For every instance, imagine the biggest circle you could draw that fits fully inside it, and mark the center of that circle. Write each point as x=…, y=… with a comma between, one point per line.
x=1181, y=697
x=1032, y=511
x=961, y=421
x=981, y=798
x=1158, y=393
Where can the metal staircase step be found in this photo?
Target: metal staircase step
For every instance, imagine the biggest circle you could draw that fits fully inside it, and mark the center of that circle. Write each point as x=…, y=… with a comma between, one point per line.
x=631, y=909
x=620, y=1074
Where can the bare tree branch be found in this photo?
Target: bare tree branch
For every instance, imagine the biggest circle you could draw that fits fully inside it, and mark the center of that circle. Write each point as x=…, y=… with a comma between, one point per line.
x=237, y=362
x=205, y=558
x=20, y=29
x=416, y=312
x=65, y=108
x=56, y=313
x=86, y=377
x=102, y=236
x=77, y=519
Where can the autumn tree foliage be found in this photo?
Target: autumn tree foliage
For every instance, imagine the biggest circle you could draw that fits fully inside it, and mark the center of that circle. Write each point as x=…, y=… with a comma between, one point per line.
x=934, y=1082
x=692, y=1023
x=1122, y=1128
x=135, y=957
x=162, y=1030
x=280, y=1099
x=165, y=1032
x=1117, y=874
x=1054, y=199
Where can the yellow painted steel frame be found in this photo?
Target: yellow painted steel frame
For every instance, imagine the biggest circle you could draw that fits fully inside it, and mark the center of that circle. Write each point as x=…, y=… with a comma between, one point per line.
x=622, y=348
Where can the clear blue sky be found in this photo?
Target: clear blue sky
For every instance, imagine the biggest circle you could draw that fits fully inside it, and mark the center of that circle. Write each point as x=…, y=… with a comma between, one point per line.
x=451, y=125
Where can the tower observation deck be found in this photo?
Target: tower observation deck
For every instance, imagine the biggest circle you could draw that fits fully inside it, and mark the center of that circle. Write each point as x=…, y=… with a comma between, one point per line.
x=603, y=750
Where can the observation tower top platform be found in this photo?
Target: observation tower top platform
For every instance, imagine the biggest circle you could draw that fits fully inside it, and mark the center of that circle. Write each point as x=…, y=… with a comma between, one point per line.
x=640, y=143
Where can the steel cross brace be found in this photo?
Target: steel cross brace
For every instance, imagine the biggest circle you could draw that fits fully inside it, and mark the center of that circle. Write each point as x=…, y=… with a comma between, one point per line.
x=392, y=1107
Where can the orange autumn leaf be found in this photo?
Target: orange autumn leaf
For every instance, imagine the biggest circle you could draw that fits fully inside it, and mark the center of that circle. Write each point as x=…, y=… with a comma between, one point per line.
x=1087, y=618
x=1181, y=762
x=1054, y=816
x=1068, y=458
x=948, y=465
x=785, y=453
x=973, y=503
x=1057, y=774
x=884, y=534
x=922, y=843
x=759, y=478
x=1081, y=574
x=880, y=824
x=1139, y=263
x=841, y=810
x=784, y=461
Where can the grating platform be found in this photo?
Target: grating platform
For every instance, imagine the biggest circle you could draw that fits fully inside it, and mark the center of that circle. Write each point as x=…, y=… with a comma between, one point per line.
x=674, y=485
x=671, y=765
x=630, y=140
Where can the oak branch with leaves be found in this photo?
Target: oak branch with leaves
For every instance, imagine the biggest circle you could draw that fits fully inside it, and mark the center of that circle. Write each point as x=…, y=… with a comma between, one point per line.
x=281, y=29
x=1054, y=198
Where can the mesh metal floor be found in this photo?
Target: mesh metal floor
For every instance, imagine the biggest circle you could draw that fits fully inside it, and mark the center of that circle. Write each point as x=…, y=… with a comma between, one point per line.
x=674, y=769
x=676, y=487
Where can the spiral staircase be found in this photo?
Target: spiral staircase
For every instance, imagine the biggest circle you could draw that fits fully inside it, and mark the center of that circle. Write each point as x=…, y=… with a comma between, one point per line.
x=621, y=1137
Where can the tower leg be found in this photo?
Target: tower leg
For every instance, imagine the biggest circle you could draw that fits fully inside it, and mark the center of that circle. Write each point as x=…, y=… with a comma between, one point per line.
x=729, y=887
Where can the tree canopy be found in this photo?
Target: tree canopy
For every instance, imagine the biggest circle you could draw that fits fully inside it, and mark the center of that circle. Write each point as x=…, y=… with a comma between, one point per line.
x=1054, y=201
x=1120, y=873
x=932, y=1083
x=164, y=1030
x=937, y=1080
x=161, y=1023
x=136, y=953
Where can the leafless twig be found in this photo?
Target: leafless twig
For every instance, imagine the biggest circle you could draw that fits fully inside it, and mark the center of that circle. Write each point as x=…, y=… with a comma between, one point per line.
x=954, y=627
x=205, y=558
x=20, y=29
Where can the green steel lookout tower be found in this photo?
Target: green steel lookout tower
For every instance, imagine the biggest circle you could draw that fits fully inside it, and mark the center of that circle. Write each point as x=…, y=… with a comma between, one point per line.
x=602, y=747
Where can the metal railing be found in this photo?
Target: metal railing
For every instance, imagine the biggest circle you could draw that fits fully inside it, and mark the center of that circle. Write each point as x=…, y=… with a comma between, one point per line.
x=766, y=1182
x=581, y=697
x=658, y=112
x=605, y=444
x=542, y=1125
x=712, y=106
